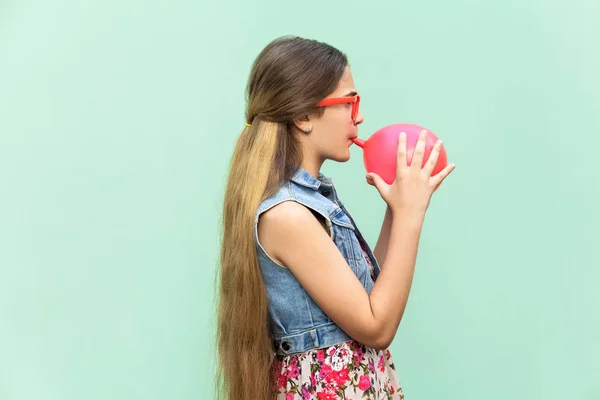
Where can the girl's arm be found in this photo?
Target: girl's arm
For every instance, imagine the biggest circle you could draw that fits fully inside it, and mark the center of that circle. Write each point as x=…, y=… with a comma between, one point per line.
x=383, y=241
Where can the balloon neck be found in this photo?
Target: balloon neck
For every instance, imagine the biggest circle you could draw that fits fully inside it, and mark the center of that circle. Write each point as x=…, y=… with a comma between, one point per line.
x=359, y=142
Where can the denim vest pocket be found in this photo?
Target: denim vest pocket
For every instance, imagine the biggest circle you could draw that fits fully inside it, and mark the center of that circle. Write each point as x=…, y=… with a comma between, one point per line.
x=340, y=218
x=345, y=239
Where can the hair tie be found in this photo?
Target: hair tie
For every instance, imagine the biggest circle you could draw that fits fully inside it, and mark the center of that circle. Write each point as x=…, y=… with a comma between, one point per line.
x=248, y=125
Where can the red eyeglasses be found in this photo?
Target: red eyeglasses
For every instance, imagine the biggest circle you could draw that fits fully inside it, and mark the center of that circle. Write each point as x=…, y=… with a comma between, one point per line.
x=355, y=100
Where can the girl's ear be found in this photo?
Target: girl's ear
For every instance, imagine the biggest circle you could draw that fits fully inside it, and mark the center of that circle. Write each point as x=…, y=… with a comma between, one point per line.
x=303, y=124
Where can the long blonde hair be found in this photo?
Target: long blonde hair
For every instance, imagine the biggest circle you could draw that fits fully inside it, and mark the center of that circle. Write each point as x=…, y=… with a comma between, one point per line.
x=288, y=78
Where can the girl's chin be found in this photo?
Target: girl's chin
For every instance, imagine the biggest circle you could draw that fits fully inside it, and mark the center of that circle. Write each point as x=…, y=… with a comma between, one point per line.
x=343, y=157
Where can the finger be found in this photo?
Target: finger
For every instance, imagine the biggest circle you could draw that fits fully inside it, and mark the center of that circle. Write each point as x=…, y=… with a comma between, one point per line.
x=440, y=176
x=419, y=153
x=401, y=155
x=433, y=158
x=376, y=180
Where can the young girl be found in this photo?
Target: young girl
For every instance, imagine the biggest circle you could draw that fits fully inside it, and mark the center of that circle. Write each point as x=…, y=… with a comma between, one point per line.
x=306, y=309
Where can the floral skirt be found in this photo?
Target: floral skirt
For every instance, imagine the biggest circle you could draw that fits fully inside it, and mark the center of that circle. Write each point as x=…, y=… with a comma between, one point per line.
x=347, y=370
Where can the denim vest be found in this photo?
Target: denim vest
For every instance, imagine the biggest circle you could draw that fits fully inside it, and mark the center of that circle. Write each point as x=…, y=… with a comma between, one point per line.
x=297, y=324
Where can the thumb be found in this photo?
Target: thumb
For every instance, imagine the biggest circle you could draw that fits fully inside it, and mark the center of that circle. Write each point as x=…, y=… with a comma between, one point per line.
x=375, y=179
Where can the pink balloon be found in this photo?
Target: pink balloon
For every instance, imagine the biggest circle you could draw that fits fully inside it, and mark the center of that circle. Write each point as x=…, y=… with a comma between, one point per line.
x=381, y=149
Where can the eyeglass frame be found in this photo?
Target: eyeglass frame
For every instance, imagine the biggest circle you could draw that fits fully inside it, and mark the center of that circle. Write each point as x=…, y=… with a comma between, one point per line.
x=354, y=100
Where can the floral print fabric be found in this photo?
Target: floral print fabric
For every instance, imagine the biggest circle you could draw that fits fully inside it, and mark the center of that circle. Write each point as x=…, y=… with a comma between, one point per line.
x=344, y=371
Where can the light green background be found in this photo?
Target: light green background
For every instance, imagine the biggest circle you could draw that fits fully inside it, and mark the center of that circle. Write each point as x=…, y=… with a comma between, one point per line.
x=117, y=121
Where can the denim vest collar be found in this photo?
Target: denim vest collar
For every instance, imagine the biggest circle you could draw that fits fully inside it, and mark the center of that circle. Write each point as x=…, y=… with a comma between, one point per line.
x=304, y=178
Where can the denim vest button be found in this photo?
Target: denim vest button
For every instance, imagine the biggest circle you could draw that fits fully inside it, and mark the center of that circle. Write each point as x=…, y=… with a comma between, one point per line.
x=326, y=193
x=286, y=346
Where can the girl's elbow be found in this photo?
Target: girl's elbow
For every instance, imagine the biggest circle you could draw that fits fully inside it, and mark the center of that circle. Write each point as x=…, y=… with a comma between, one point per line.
x=379, y=339
x=382, y=342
